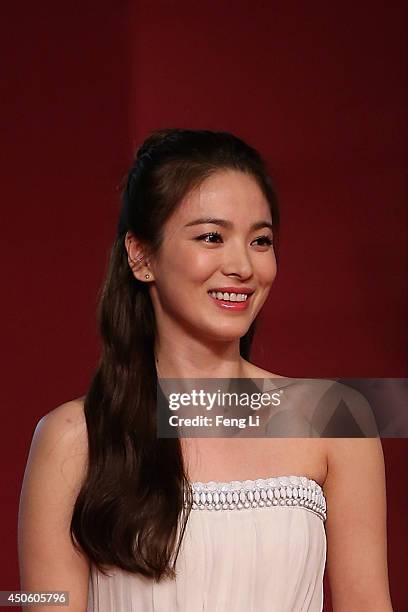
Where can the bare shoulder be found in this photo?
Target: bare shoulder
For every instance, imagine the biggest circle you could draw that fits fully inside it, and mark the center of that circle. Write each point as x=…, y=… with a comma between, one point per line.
x=359, y=408
x=355, y=456
x=54, y=474
x=354, y=459
x=66, y=419
x=70, y=413
x=61, y=436
x=354, y=463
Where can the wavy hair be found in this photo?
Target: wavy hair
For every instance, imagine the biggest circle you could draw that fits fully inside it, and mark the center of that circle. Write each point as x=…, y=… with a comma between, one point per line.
x=133, y=507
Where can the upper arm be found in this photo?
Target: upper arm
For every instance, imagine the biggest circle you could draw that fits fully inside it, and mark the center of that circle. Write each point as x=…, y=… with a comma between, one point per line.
x=54, y=472
x=355, y=491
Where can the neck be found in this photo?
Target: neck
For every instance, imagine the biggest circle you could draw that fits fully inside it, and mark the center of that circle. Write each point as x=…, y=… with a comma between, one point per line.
x=193, y=358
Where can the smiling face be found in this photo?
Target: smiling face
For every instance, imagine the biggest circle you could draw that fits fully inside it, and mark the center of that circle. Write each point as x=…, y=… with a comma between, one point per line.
x=195, y=258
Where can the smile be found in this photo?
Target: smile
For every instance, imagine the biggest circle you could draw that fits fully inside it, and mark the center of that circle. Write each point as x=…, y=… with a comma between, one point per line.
x=230, y=301
x=229, y=297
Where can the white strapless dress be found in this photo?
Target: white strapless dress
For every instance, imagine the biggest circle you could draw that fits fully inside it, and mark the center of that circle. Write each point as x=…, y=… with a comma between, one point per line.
x=249, y=546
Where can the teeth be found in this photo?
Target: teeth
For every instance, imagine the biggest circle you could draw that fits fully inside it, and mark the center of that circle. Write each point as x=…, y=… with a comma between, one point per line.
x=229, y=297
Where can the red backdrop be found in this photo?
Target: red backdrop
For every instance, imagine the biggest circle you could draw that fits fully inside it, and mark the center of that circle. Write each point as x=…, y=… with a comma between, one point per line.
x=320, y=90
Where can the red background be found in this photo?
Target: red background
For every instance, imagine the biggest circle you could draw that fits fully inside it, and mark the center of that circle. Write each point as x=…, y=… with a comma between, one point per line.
x=321, y=90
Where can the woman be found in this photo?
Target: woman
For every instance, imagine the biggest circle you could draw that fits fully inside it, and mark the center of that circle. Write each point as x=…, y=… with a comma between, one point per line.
x=198, y=221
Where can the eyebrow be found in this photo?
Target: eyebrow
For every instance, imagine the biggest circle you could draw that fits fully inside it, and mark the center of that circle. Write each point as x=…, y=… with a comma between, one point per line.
x=227, y=224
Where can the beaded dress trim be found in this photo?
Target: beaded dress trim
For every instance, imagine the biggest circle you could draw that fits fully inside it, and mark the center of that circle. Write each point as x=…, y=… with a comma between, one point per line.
x=292, y=491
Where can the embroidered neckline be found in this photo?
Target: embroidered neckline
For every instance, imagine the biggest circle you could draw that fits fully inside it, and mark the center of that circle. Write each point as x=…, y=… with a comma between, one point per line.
x=282, y=480
x=277, y=491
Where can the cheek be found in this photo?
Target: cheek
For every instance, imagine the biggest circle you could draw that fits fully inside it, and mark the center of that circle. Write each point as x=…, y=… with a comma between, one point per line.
x=267, y=271
x=205, y=262
x=185, y=269
x=198, y=267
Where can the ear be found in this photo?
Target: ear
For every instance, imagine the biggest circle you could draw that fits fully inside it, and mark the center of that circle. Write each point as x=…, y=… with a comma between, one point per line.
x=137, y=257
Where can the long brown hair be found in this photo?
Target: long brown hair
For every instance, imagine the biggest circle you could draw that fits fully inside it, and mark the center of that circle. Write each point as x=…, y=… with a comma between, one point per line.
x=130, y=510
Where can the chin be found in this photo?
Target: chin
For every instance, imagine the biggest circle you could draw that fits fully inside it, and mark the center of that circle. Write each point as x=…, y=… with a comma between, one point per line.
x=229, y=334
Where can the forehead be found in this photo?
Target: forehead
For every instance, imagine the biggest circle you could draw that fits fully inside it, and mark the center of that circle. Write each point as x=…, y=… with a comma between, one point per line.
x=229, y=194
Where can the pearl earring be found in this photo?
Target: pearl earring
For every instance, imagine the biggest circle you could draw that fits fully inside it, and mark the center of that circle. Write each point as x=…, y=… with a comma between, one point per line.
x=147, y=275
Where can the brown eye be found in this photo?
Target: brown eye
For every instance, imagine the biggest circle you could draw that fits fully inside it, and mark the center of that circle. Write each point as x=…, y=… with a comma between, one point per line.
x=267, y=241
x=209, y=235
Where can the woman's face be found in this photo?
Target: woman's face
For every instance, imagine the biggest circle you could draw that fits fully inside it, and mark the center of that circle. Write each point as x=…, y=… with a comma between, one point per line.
x=199, y=256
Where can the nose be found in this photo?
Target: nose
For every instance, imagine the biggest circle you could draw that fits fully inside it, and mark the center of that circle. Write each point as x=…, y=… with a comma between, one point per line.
x=237, y=262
